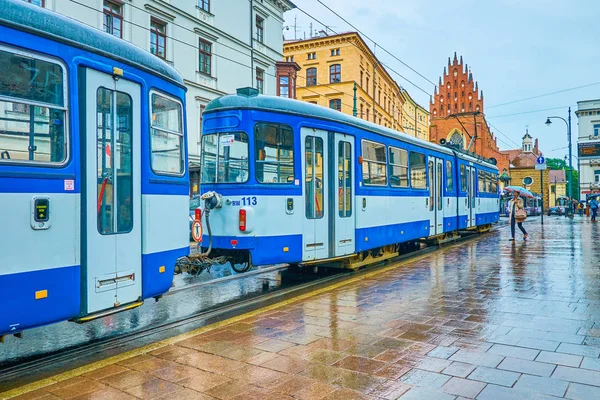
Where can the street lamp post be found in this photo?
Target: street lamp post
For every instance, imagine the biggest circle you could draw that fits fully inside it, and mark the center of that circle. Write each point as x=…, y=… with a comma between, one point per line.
x=570, y=179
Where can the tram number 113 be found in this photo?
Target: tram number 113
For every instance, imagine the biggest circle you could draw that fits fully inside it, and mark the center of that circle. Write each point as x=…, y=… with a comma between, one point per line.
x=249, y=201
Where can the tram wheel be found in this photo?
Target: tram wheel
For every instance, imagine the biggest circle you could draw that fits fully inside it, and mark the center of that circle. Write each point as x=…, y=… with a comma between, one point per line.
x=241, y=267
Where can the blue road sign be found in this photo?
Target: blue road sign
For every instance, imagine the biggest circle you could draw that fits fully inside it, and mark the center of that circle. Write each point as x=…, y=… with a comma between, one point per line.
x=541, y=160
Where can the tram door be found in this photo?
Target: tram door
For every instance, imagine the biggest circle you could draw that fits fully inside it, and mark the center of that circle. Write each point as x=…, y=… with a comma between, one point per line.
x=315, y=158
x=436, y=199
x=343, y=208
x=471, y=191
x=111, y=192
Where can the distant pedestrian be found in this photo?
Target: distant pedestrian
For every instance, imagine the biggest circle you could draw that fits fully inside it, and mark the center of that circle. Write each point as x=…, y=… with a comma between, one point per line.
x=594, y=207
x=517, y=212
x=580, y=207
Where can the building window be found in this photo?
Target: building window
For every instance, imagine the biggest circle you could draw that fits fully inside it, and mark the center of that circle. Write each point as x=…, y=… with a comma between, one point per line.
x=260, y=29
x=367, y=114
x=158, y=39
x=113, y=19
x=361, y=79
x=205, y=60
x=284, y=86
x=260, y=80
x=335, y=104
x=597, y=176
x=311, y=77
x=204, y=5
x=312, y=56
x=289, y=59
x=335, y=52
x=596, y=129
x=367, y=85
x=35, y=2
x=335, y=73
x=362, y=110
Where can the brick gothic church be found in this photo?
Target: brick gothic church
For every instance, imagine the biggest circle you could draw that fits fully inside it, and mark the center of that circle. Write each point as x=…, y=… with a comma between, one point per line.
x=457, y=114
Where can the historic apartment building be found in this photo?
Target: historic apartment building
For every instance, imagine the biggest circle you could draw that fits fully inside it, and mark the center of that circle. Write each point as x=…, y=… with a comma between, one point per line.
x=457, y=114
x=588, y=145
x=415, y=119
x=218, y=46
x=331, y=65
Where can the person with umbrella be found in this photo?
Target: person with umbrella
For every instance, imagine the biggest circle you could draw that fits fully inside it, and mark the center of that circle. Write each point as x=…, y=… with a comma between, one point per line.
x=517, y=214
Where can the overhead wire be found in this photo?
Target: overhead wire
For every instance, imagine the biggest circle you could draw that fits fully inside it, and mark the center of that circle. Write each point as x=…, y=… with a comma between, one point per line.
x=375, y=43
x=387, y=66
x=544, y=95
x=196, y=48
x=530, y=111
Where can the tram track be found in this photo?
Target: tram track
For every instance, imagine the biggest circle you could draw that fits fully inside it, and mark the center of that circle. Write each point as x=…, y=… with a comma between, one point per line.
x=48, y=365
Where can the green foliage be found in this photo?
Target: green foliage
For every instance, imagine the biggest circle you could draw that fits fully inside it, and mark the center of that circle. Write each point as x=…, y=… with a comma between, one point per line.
x=558, y=164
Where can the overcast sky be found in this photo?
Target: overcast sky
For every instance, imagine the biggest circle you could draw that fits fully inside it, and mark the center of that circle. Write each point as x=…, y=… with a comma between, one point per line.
x=515, y=48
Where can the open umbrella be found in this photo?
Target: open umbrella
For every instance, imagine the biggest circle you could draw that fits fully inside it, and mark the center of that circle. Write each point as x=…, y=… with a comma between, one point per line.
x=524, y=192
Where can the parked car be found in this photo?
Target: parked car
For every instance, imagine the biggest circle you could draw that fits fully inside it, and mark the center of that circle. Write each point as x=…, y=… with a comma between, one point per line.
x=557, y=210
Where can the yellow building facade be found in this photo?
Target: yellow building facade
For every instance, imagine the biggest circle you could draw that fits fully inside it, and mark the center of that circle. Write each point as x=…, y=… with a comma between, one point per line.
x=330, y=67
x=415, y=119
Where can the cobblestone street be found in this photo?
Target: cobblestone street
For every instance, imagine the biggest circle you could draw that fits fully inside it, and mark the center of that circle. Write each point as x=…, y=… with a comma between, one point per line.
x=485, y=319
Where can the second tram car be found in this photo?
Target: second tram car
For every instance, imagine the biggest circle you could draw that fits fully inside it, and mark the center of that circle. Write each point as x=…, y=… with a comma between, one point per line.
x=93, y=180
x=297, y=183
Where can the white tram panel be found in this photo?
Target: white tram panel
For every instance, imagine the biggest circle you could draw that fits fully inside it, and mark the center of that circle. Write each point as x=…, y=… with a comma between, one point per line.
x=391, y=210
x=44, y=249
x=162, y=230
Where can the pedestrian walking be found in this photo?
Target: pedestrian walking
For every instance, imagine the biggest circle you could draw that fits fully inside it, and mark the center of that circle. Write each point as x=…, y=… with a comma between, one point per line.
x=594, y=207
x=517, y=215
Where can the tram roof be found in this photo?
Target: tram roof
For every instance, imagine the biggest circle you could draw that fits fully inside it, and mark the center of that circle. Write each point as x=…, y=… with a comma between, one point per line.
x=289, y=106
x=248, y=99
x=34, y=19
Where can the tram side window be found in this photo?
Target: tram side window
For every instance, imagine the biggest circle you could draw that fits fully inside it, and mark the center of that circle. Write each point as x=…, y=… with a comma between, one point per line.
x=398, y=167
x=166, y=135
x=489, y=178
x=495, y=183
x=32, y=110
x=481, y=185
x=374, y=164
x=463, y=178
x=418, y=173
x=274, y=153
x=232, y=163
x=449, y=177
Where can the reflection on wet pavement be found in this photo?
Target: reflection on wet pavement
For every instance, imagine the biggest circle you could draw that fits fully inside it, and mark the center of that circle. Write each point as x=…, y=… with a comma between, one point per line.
x=486, y=319
x=201, y=297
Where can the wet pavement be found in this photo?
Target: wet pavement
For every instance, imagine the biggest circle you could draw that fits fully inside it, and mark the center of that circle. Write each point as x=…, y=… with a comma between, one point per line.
x=485, y=319
x=189, y=295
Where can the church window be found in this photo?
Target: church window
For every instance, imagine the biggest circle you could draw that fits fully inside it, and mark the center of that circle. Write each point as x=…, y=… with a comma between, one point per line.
x=477, y=108
x=463, y=93
x=462, y=84
x=455, y=82
x=457, y=140
x=434, y=112
x=470, y=106
x=448, y=95
x=455, y=73
x=470, y=97
x=463, y=106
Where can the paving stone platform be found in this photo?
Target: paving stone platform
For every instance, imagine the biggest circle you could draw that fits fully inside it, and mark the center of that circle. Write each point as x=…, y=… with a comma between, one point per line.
x=486, y=319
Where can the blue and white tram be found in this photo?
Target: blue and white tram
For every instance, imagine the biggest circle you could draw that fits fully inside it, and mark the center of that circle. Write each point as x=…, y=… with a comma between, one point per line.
x=93, y=184
x=293, y=182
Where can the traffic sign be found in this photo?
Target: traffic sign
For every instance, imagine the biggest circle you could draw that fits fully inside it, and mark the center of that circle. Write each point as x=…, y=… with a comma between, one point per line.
x=197, y=231
x=540, y=167
x=541, y=160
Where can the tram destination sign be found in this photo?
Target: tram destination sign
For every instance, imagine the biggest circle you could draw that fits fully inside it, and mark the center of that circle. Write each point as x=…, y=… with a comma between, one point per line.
x=589, y=149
